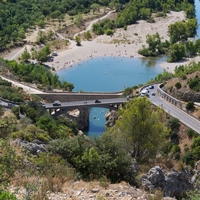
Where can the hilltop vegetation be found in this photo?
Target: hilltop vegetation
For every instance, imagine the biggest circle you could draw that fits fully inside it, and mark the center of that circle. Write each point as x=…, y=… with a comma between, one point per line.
x=18, y=16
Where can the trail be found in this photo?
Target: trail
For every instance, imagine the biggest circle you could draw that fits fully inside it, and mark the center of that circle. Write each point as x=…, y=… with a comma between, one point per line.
x=89, y=27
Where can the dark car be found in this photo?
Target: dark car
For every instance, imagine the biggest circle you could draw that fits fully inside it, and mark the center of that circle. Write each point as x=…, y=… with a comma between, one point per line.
x=10, y=105
x=151, y=87
x=97, y=101
x=56, y=103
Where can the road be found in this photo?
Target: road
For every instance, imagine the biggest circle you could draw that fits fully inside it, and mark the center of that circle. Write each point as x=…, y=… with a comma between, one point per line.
x=156, y=100
x=174, y=111
x=89, y=103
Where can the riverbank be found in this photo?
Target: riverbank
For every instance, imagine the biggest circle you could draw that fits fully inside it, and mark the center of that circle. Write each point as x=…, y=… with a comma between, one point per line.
x=170, y=67
x=124, y=43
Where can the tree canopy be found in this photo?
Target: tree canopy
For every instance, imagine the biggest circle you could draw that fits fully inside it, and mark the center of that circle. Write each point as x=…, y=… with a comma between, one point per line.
x=141, y=128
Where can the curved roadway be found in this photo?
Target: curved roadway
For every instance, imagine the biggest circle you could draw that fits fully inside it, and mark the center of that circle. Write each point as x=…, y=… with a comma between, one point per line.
x=174, y=111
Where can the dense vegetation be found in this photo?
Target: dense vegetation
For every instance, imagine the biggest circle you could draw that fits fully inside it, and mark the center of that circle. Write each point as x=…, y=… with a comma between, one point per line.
x=139, y=135
x=17, y=16
x=136, y=10
x=34, y=74
x=89, y=158
x=10, y=93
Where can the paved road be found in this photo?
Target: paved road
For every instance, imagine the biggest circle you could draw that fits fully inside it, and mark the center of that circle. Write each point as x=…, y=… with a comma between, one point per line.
x=89, y=103
x=174, y=111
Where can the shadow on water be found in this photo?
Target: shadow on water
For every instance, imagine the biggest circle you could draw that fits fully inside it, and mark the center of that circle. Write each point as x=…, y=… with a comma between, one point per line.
x=153, y=61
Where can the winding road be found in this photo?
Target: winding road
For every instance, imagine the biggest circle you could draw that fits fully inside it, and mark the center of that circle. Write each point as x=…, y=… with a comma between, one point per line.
x=174, y=111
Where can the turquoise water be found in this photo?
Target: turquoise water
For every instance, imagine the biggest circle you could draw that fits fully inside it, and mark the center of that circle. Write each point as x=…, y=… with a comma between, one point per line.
x=197, y=7
x=109, y=74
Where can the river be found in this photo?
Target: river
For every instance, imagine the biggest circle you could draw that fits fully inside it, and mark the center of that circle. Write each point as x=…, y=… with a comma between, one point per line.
x=110, y=74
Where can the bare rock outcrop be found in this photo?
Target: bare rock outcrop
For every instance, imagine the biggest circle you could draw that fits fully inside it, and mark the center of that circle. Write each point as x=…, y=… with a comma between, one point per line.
x=172, y=183
x=81, y=116
x=111, y=117
x=35, y=147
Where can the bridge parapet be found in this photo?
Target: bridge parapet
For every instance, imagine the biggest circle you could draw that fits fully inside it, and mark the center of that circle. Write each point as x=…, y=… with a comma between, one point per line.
x=70, y=97
x=168, y=97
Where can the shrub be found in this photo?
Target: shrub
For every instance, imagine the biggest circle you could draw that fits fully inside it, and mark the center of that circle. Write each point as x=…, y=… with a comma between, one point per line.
x=5, y=195
x=177, y=156
x=183, y=76
x=176, y=149
x=190, y=105
x=188, y=159
x=173, y=123
x=190, y=133
x=178, y=85
x=194, y=84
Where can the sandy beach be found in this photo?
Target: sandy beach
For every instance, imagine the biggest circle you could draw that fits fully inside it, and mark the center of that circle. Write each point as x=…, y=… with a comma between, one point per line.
x=124, y=43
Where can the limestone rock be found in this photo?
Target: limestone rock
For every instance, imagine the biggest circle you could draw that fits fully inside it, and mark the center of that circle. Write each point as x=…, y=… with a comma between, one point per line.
x=111, y=117
x=33, y=148
x=172, y=184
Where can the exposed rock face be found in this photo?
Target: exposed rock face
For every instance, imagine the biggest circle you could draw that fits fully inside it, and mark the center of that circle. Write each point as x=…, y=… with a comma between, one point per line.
x=111, y=117
x=80, y=116
x=33, y=148
x=173, y=183
x=196, y=176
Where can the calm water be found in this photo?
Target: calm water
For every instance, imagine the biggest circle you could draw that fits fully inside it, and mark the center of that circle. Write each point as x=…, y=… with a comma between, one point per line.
x=109, y=74
x=197, y=7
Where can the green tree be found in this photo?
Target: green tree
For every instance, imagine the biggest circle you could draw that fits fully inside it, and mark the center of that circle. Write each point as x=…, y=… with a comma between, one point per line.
x=95, y=7
x=79, y=20
x=87, y=35
x=7, y=124
x=78, y=40
x=31, y=113
x=91, y=162
x=178, y=85
x=42, y=55
x=176, y=52
x=173, y=123
x=9, y=161
x=15, y=110
x=196, y=148
x=25, y=56
x=190, y=105
x=191, y=49
x=142, y=129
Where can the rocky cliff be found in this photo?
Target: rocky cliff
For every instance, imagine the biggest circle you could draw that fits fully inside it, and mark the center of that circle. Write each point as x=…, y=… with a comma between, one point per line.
x=184, y=93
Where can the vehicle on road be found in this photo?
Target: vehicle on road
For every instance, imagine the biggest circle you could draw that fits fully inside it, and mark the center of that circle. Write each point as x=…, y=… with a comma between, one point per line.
x=10, y=104
x=153, y=93
x=151, y=87
x=97, y=101
x=56, y=103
